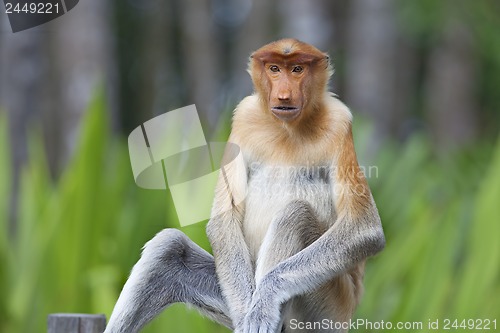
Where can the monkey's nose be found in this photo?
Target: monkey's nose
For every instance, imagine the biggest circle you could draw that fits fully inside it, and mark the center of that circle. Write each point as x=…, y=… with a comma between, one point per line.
x=284, y=96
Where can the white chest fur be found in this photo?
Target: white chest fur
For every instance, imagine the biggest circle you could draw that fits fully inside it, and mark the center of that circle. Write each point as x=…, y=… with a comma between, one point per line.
x=269, y=190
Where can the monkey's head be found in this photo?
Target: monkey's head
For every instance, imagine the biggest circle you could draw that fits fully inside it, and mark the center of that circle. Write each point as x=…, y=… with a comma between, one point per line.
x=290, y=77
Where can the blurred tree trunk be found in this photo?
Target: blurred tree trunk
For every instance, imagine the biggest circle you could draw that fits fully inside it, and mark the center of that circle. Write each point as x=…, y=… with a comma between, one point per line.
x=23, y=95
x=371, y=55
x=314, y=25
x=307, y=21
x=338, y=10
x=156, y=64
x=254, y=33
x=200, y=58
x=406, y=100
x=82, y=62
x=450, y=93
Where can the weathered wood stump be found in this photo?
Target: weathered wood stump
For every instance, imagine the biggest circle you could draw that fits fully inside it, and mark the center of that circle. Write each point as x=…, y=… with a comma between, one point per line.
x=76, y=323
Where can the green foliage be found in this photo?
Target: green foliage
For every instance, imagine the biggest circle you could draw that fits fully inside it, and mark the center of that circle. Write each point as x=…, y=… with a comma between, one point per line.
x=442, y=258
x=4, y=200
x=79, y=237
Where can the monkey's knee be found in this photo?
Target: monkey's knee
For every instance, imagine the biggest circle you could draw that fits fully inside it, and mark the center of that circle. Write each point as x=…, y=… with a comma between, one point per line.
x=165, y=245
x=298, y=221
x=293, y=229
x=296, y=214
x=172, y=250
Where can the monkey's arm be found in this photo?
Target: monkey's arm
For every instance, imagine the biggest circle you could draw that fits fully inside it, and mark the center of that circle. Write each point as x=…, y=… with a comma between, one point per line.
x=224, y=230
x=356, y=234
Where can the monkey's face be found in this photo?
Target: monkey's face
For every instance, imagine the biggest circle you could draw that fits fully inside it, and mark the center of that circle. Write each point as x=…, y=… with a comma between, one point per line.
x=286, y=93
x=289, y=76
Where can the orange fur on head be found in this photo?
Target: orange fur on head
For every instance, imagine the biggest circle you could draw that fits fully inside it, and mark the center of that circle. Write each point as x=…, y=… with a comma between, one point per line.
x=290, y=78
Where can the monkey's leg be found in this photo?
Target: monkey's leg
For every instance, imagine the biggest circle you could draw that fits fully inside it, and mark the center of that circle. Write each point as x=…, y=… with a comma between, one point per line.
x=172, y=269
x=295, y=228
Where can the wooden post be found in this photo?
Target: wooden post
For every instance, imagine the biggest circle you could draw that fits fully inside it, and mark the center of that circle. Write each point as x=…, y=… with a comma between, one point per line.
x=75, y=323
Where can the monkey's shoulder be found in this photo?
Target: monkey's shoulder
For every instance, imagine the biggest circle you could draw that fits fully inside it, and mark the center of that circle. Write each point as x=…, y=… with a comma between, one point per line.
x=338, y=110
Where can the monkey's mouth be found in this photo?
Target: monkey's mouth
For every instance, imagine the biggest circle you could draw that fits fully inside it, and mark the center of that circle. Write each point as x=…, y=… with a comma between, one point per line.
x=286, y=113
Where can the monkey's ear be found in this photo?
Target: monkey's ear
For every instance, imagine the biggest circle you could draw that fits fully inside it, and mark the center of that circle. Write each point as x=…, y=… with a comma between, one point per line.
x=328, y=62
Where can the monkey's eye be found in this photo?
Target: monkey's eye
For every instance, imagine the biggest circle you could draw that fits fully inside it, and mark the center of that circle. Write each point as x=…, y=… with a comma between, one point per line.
x=297, y=69
x=274, y=68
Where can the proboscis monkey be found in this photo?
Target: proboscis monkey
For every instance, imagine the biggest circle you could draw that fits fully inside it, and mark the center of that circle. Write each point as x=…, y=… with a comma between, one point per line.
x=293, y=219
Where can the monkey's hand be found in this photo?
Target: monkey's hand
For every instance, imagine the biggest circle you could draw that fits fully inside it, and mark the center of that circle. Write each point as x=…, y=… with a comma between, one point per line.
x=262, y=318
x=264, y=313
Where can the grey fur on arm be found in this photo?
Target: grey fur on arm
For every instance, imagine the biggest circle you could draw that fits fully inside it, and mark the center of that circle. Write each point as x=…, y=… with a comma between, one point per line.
x=224, y=230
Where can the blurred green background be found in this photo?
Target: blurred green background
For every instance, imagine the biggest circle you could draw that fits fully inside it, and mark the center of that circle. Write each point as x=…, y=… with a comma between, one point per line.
x=422, y=79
